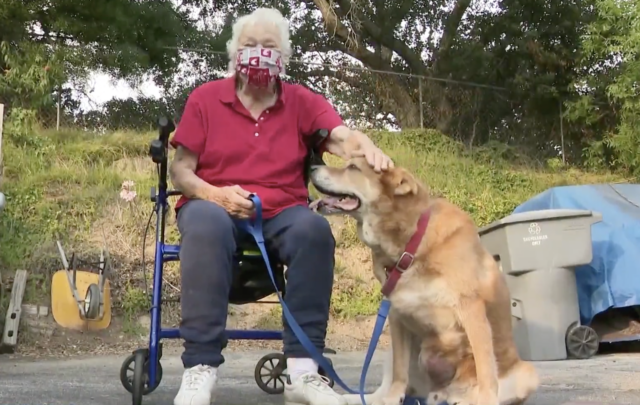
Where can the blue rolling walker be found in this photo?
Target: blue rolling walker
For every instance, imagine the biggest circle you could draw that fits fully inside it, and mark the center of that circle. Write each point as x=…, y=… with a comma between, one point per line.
x=141, y=372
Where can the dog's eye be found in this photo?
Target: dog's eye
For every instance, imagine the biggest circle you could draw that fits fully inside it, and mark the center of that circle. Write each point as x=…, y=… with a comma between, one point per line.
x=353, y=167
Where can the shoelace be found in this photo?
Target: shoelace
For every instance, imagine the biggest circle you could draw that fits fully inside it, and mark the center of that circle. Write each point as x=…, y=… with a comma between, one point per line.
x=194, y=377
x=317, y=380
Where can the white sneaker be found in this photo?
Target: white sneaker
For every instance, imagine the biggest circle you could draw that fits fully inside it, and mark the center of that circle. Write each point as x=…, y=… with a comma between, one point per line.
x=311, y=389
x=198, y=385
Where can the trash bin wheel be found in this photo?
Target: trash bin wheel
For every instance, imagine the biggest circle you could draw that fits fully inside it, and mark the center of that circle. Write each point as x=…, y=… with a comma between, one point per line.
x=582, y=342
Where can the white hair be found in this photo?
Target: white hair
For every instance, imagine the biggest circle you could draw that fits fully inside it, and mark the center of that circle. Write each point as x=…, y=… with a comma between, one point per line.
x=259, y=16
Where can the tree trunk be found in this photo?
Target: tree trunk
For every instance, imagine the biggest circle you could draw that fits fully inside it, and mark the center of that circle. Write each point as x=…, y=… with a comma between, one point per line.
x=399, y=101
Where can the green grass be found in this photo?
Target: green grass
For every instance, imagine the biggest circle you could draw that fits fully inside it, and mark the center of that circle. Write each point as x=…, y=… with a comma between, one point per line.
x=66, y=185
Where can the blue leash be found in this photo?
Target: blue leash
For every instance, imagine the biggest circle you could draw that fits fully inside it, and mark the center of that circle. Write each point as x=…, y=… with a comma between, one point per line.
x=254, y=228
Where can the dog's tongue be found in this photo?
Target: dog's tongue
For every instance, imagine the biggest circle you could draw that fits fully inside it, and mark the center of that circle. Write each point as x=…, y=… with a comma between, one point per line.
x=346, y=203
x=343, y=203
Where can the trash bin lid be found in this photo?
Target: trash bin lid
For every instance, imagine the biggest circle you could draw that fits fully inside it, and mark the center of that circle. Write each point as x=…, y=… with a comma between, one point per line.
x=534, y=216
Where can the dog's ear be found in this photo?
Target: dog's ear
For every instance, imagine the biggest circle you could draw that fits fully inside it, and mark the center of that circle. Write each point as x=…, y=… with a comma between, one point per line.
x=401, y=181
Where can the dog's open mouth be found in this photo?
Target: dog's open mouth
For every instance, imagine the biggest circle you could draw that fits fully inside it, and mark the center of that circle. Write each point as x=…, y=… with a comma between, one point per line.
x=333, y=202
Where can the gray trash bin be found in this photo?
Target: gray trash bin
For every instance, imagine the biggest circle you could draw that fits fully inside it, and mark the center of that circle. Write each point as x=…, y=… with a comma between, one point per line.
x=537, y=252
x=2, y=202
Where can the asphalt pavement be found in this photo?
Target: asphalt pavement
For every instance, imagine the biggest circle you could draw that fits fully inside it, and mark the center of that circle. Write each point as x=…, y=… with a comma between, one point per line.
x=613, y=379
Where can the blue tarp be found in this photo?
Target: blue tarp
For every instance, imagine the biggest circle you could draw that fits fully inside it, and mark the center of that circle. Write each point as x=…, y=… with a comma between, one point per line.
x=612, y=279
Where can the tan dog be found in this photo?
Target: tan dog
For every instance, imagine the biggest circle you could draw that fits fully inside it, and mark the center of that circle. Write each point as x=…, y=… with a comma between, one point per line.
x=450, y=318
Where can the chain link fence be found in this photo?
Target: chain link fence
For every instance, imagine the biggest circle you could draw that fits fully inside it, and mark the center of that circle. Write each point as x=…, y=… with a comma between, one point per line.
x=472, y=113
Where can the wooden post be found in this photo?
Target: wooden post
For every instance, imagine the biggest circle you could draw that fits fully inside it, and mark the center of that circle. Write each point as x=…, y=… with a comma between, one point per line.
x=58, y=112
x=564, y=160
x=421, y=107
x=12, y=321
x=1, y=124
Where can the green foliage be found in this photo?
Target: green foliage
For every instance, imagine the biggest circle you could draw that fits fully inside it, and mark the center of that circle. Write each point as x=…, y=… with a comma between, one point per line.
x=531, y=49
x=30, y=73
x=488, y=183
x=610, y=86
x=45, y=45
x=66, y=185
x=355, y=297
x=528, y=48
x=134, y=303
x=58, y=185
x=534, y=51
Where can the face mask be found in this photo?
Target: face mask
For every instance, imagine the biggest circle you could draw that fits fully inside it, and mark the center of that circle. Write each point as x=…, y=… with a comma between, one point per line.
x=260, y=66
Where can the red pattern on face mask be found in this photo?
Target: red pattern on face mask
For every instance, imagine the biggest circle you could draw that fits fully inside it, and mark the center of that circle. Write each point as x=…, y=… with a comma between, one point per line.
x=260, y=66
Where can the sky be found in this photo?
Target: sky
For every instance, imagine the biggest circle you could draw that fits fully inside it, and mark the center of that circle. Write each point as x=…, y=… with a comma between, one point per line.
x=101, y=88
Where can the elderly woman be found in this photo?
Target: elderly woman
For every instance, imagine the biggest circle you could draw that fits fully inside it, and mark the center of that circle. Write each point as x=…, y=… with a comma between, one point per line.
x=242, y=135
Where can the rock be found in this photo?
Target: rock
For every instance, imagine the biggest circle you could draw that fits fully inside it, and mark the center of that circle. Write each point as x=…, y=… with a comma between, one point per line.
x=145, y=322
x=36, y=319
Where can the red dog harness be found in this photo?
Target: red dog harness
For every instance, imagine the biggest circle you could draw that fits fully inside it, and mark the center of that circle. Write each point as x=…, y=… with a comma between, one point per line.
x=406, y=259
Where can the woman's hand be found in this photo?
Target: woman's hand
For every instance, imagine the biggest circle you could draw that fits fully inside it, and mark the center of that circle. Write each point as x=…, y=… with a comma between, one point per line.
x=348, y=143
x=374, y=156
x=235, y=200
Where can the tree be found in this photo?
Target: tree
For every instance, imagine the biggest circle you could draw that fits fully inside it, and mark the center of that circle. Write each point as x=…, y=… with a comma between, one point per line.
x=528, y=49
x=608, y=109
x=524, y=55
x=47, y=42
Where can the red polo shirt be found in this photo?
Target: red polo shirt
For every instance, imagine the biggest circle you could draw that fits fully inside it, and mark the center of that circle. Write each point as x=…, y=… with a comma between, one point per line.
x=263, y=156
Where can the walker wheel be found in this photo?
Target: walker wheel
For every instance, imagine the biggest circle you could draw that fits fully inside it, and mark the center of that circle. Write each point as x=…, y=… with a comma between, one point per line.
x=134, y=375
x=324, y=374
x=582, y=342
x=92, y=302
x=270, y=373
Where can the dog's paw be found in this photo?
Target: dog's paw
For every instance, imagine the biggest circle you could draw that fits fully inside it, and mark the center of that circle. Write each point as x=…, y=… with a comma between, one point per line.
x=453, y=400
x=393, y=400
x=437, y=398
x=486, y=397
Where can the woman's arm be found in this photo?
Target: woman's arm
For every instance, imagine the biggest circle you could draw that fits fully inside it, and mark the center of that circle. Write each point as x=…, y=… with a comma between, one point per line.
x=182, y=172
x=189, y=141
x=346, y=143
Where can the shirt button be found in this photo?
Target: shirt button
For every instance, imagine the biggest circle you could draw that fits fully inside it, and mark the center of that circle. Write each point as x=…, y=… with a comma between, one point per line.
x=261, y=119
x=256, y=134
x=257, y=123
x=267, y=111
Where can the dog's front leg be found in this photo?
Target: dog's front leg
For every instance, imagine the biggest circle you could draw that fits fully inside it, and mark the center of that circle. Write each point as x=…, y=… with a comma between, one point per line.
x=377, y=396
x=473, y=318
x=387, y=375
x=401, y=348
x=378, y=267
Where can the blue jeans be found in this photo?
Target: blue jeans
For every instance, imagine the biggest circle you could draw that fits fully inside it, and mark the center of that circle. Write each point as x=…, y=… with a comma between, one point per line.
x=303, y=241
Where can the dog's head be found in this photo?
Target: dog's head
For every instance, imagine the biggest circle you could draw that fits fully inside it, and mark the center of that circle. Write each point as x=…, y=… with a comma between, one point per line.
x=356, y=189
